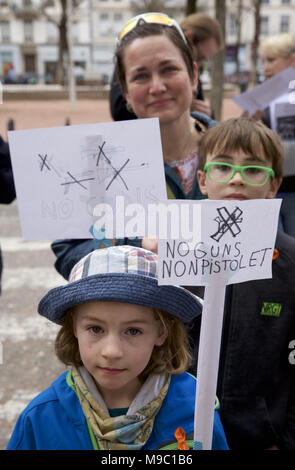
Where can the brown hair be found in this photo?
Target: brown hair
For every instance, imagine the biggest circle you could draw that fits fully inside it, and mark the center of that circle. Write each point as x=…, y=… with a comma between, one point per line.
x=144, y=30
x=203, y=27
x=246, y=134
x=172, y=357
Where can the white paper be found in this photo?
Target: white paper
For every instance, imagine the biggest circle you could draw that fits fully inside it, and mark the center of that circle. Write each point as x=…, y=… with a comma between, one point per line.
x=236, y=244
x=260, y=96
x=62, y=173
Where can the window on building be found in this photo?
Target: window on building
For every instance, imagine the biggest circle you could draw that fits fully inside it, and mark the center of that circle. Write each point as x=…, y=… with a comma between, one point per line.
x=264, y=25
x=51, y=31
x=5, y=61
x=232, y=24
x=285, y=2
x=104, y=23
x=28, y=31
x=30, y=63
x=5, y=31
x=118, y=23
x=264, y=1
x=285, y=24
x=75, y=31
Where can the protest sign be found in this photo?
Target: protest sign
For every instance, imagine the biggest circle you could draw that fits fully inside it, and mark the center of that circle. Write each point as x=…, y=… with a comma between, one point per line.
x=62, y=173
x=260, y=96
x=236, y=244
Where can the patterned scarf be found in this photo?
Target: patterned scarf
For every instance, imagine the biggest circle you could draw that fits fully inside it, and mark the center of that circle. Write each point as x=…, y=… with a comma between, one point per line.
x=131, y=431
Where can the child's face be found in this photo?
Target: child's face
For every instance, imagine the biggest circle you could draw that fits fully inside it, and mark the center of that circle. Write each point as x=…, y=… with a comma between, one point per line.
x=116, y=341
x=237, y=188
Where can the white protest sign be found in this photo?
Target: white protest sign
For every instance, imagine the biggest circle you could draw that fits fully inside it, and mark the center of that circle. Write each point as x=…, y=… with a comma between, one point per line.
x=63, y=173
x=236, y=244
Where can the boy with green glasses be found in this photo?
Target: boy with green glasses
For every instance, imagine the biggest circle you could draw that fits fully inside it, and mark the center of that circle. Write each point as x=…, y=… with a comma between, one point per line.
x=242, y=159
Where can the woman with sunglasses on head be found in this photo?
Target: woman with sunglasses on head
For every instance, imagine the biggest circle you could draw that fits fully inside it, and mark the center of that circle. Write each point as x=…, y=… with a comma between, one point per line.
x=205, y=36
x=158, y=77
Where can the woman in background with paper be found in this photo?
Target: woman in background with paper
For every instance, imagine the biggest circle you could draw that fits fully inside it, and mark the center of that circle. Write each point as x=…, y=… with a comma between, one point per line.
x=278, y=54
x=158, y=77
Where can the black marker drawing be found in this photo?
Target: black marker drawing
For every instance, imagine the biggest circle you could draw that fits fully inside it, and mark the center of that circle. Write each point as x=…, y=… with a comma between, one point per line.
x=116, y=172
x=76, y=181
x=43, y=162
x=227, y=222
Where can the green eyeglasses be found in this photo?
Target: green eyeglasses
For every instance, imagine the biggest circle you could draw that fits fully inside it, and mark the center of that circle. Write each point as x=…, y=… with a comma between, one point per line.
x=253, y=175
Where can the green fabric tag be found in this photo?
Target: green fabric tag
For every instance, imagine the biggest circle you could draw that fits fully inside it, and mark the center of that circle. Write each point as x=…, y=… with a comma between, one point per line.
x=271, y=309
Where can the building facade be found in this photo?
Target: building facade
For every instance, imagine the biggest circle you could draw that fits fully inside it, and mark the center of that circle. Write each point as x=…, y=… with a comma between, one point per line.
x=29, y=38
x=276, y=16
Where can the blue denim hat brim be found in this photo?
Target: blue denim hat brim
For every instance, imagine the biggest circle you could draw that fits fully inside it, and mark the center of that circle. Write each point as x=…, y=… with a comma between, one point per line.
x=119, y=287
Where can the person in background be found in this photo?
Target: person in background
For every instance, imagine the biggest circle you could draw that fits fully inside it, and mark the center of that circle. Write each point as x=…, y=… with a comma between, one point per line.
x=278, y=53
x=7, y=189
x=158, y=77
x=206, y=38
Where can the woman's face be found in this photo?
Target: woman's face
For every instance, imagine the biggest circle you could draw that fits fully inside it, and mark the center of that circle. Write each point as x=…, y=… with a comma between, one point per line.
x=274, y=64
x=157, y=80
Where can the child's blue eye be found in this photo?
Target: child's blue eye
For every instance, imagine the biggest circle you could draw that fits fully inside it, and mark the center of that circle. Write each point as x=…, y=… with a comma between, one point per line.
x=140, y=76
x=133, y=332
x=95, y=330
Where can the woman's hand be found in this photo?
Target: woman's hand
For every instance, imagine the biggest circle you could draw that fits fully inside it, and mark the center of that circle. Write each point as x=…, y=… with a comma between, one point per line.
x=256, y=116
x=150, y=244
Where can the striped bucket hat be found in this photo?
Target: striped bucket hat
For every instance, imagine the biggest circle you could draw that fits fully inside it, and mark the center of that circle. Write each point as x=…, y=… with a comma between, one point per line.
x=122, y=274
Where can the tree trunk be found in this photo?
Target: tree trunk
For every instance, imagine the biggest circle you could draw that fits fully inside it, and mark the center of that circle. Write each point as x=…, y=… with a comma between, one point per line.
x=239, y=34
x=255, y=45
x=217, y=74
x=191, y=7
x=63, y=44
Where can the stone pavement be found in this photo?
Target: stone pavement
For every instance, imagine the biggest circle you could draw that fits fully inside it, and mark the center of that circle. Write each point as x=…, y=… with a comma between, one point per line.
x=27, y=360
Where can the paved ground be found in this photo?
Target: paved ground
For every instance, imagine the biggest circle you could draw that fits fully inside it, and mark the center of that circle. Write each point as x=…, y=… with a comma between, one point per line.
x=27, y=360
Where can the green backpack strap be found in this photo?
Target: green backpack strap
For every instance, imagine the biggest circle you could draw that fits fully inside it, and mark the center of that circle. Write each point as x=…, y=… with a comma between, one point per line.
x=170, y=194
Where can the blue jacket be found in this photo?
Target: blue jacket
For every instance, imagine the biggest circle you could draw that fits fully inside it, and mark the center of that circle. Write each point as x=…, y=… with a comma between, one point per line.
x=54, y=420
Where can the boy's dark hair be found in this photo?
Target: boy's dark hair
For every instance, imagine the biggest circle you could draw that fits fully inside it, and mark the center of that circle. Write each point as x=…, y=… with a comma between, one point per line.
x=144, y=30
x=245, y=134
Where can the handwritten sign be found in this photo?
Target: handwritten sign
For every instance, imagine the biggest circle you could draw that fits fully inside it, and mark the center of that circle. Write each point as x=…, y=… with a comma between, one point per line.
x=63, y=173
x=236, y=244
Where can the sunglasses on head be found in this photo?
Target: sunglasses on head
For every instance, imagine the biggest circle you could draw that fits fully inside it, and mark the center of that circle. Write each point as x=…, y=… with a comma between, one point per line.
x=153, y=18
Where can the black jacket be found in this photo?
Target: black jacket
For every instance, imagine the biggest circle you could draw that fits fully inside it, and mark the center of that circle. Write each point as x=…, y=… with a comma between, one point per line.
x=7, y=189
x=256, y=381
